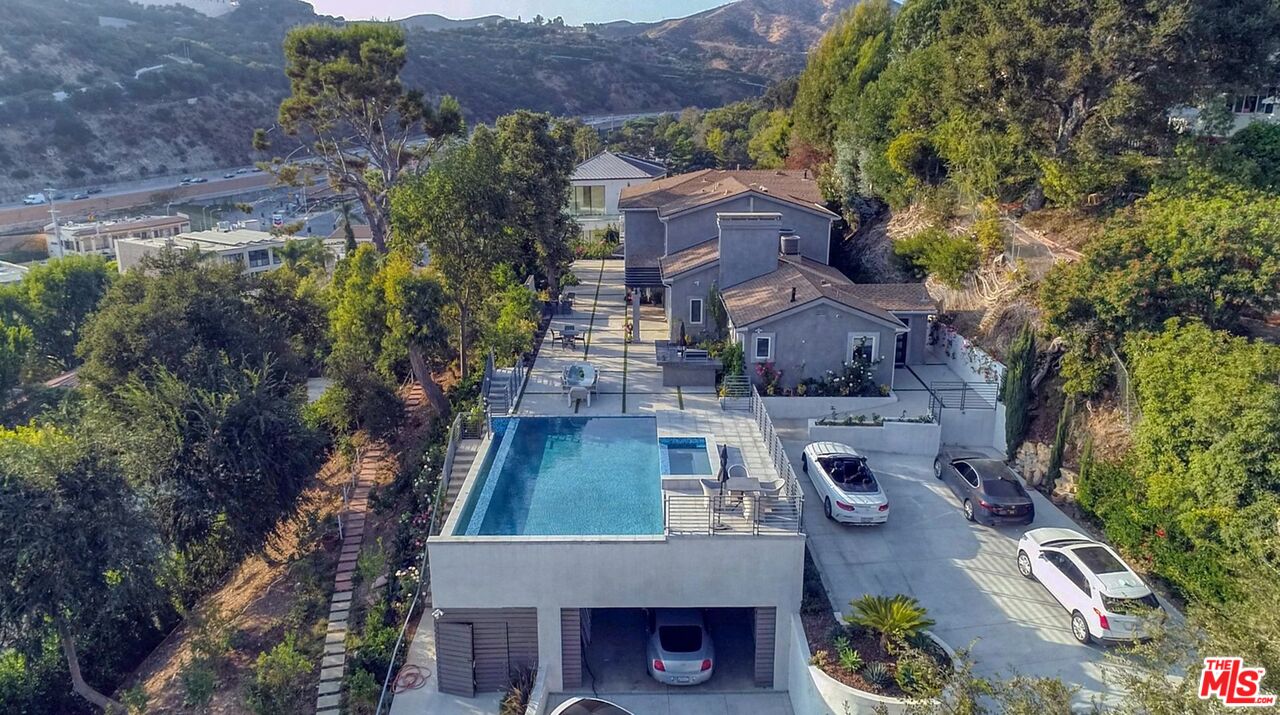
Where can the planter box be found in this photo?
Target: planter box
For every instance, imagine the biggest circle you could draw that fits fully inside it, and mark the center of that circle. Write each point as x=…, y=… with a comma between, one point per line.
x=813, y=691
x=803, y=408
x=921, y=438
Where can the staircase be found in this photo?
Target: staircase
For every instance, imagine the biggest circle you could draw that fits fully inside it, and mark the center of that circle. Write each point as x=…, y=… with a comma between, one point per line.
x=643, y=277
x=499, y=395
x=468, y=450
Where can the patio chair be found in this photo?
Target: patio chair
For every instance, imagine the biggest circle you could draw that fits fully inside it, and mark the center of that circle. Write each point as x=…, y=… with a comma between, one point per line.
x=579, y=393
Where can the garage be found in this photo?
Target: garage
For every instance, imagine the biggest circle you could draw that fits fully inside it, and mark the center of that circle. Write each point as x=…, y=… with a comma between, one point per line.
x=612, y=643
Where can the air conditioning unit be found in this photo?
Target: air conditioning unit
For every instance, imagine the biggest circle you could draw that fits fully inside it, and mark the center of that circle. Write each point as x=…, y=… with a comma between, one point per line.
x=790, y=245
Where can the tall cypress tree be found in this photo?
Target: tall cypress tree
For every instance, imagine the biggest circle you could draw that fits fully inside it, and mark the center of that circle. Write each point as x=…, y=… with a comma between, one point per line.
x=1059, y=443
x=1017, y=388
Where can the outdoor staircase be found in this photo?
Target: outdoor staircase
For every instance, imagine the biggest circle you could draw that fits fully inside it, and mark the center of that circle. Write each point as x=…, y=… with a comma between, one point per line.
x=498, y=400
x=468, y=451
x=640, y=277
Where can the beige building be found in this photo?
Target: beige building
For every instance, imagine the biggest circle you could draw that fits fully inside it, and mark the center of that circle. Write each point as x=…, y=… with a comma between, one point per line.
x=99, y=237
x=255, y=251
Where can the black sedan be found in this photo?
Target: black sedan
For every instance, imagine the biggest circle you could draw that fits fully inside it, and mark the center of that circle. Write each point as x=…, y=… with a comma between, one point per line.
x=989, y=492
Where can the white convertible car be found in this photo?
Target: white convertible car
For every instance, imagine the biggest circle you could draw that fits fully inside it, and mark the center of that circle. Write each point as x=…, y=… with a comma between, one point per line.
x=848, y=489
x=1105, y=598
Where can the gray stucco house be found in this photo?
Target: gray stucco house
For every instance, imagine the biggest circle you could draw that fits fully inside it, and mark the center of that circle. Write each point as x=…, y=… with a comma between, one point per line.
x=762, y=239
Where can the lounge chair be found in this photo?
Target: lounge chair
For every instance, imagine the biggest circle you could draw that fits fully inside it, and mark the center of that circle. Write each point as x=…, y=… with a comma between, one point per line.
x=579, y=393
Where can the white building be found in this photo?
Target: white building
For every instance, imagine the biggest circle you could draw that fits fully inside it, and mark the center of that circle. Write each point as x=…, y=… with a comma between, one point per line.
x=11, y=272
x=598, y=182
x=567, y=530
x=256, y=251
x=99, y=237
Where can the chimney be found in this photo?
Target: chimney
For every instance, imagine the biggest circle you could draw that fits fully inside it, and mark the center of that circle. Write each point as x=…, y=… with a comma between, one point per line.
x=748, y=245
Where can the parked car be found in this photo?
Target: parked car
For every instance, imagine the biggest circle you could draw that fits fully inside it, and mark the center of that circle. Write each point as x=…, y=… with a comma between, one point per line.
x=848, y=488
x=989, y=492
x=589, y=706
x=1105, y=598
x=33, y=199
x=680, y=651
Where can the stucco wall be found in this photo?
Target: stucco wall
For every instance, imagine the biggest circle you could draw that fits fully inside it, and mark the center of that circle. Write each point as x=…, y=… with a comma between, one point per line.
x=695, y=284
x=794, y=408
x=644, y=238
x=693, y=227
x=631, y=572
x=896, y=437
x=815, y=339
x=748, y=246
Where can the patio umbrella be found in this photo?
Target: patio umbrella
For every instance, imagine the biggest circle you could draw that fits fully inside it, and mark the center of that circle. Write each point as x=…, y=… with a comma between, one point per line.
x=682, y=337
x=723, y=475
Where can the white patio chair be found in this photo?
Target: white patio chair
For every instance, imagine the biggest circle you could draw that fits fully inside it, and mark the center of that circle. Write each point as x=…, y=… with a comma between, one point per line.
x=579, y=393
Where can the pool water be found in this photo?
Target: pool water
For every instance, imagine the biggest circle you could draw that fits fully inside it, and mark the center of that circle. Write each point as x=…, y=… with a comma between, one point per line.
x=685, y=456
x=567, y=476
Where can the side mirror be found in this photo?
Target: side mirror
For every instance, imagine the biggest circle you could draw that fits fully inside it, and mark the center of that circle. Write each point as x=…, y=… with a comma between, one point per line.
x=1042, y=557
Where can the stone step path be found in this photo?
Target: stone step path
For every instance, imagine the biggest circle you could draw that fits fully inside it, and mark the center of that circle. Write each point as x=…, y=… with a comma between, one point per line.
x=376, y=460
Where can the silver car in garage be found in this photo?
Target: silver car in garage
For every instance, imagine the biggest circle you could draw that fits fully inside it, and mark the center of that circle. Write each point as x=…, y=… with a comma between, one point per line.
x=680, y=651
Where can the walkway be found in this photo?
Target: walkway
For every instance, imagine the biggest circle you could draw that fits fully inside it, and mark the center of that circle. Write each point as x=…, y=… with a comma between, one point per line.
x=376, y=463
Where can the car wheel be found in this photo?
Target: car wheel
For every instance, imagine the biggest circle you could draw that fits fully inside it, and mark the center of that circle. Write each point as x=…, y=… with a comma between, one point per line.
x=1024, y=564
x=937, y=468
x=968, y=510
x=826, y=507
x=1080, y=628
x=804, y=462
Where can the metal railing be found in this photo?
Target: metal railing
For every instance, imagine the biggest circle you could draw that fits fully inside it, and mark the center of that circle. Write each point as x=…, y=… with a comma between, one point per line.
x=462, y=427
x=754, y=515
x=777, y=453
x=735, y=387
x=962, y=396
x=509, y=382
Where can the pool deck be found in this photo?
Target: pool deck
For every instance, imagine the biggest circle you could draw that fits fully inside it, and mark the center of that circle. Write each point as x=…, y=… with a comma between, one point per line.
x=630, y=381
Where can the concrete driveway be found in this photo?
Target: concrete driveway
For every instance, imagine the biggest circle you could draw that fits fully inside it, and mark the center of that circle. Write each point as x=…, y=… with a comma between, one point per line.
x=963, y=573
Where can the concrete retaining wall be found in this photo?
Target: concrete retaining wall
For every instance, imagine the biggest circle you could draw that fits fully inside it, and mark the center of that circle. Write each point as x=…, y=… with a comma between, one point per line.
x=896, y=437
x=802, y=408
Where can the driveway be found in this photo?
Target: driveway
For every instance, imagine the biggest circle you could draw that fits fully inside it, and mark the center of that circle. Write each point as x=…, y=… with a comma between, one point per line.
x=963, y=573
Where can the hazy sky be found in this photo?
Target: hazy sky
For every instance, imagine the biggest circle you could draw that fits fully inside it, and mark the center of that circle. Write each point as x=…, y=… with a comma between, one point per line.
x=575, y=12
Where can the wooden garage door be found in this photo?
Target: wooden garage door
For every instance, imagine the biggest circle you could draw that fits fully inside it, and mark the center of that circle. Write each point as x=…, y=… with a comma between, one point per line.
x=571, y=647
x=765, y=631
x=493, y=666
x=454, y=658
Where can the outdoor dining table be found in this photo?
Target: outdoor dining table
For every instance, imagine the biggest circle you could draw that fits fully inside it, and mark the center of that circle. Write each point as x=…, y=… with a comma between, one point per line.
x=580, y=374
x=568, y=336
x=745, y=487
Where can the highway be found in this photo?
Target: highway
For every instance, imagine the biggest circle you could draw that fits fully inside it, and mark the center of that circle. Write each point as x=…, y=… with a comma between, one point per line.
x=133, y=195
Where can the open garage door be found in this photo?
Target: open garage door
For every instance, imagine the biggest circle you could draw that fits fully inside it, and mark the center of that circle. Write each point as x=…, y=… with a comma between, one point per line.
x=615, y=657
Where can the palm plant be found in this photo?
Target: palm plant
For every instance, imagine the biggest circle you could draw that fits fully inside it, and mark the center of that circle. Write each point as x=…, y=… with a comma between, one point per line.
x=895, y=618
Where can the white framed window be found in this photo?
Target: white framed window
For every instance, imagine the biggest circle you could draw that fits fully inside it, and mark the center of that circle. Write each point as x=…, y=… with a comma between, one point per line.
x=695, y=311
x=761, y=347
x=865, y=343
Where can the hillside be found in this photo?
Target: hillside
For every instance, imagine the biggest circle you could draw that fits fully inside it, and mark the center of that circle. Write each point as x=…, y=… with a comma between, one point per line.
x=100, y=90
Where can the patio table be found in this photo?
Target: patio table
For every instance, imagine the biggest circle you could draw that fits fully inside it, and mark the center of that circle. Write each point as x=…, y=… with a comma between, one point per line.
x=580, y=374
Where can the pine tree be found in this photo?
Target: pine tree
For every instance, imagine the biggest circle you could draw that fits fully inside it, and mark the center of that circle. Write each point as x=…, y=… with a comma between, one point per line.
x=1059, y=443
x=1017, y=388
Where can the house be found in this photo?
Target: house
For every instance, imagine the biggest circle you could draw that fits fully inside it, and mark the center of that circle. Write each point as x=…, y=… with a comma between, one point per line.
x=598, y=182
x=99, y=237
x=256, y=251
x=759, y=243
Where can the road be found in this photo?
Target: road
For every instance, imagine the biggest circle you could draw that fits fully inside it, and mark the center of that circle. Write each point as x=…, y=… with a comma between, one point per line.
x=131, y=196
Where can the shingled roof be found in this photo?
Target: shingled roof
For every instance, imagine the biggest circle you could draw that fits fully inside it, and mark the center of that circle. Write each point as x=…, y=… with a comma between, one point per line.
x=769, y=295
x=687, y=191
x=607, y=165
x=695, y=256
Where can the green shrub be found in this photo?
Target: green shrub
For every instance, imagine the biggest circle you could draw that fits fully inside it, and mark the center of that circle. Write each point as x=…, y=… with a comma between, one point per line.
x=376, y=641
x=895, y=618
x=935, y=252
x=282, y=680
x=1016, y=388
x=1059, y=444
x=850, y=659
x=517, y=696
x=362, y=692
x=198, y=683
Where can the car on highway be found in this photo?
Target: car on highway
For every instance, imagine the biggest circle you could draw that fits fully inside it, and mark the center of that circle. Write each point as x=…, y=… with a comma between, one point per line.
x=229, y=175
x=34, y=199
x=989, y=492
x=680, y=651
x=94, y=190
x=1106, y=599
x=80, y=196
x=186, y=180
x=242, y=171
x=199, y=180
x=845, y=483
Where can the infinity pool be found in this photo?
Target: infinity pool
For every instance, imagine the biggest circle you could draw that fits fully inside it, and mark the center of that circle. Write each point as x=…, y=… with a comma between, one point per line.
x=567, y=476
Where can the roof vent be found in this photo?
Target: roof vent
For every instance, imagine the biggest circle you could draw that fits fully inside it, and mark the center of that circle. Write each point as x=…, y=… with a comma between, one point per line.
x=793, y=294
x=790, y=245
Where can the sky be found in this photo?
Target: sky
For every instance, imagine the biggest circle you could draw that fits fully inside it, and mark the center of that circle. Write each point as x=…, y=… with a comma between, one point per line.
x=574, y=12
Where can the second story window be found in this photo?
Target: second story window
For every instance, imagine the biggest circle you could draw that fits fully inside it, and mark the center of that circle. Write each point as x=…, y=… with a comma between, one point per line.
x=695, y=311
x=259, y=258
x=587, y=201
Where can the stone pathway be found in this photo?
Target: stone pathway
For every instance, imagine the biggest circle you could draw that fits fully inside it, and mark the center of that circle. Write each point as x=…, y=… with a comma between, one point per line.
x=375, y=461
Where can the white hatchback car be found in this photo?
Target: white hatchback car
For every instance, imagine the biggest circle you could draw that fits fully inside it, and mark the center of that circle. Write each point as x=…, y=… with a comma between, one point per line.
x=847, y=487
x=1105, y=598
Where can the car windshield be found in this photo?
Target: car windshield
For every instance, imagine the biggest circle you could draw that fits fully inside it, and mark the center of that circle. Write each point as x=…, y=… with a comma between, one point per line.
x=680, y=639
x=1002, y=488
x=1099, y=560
